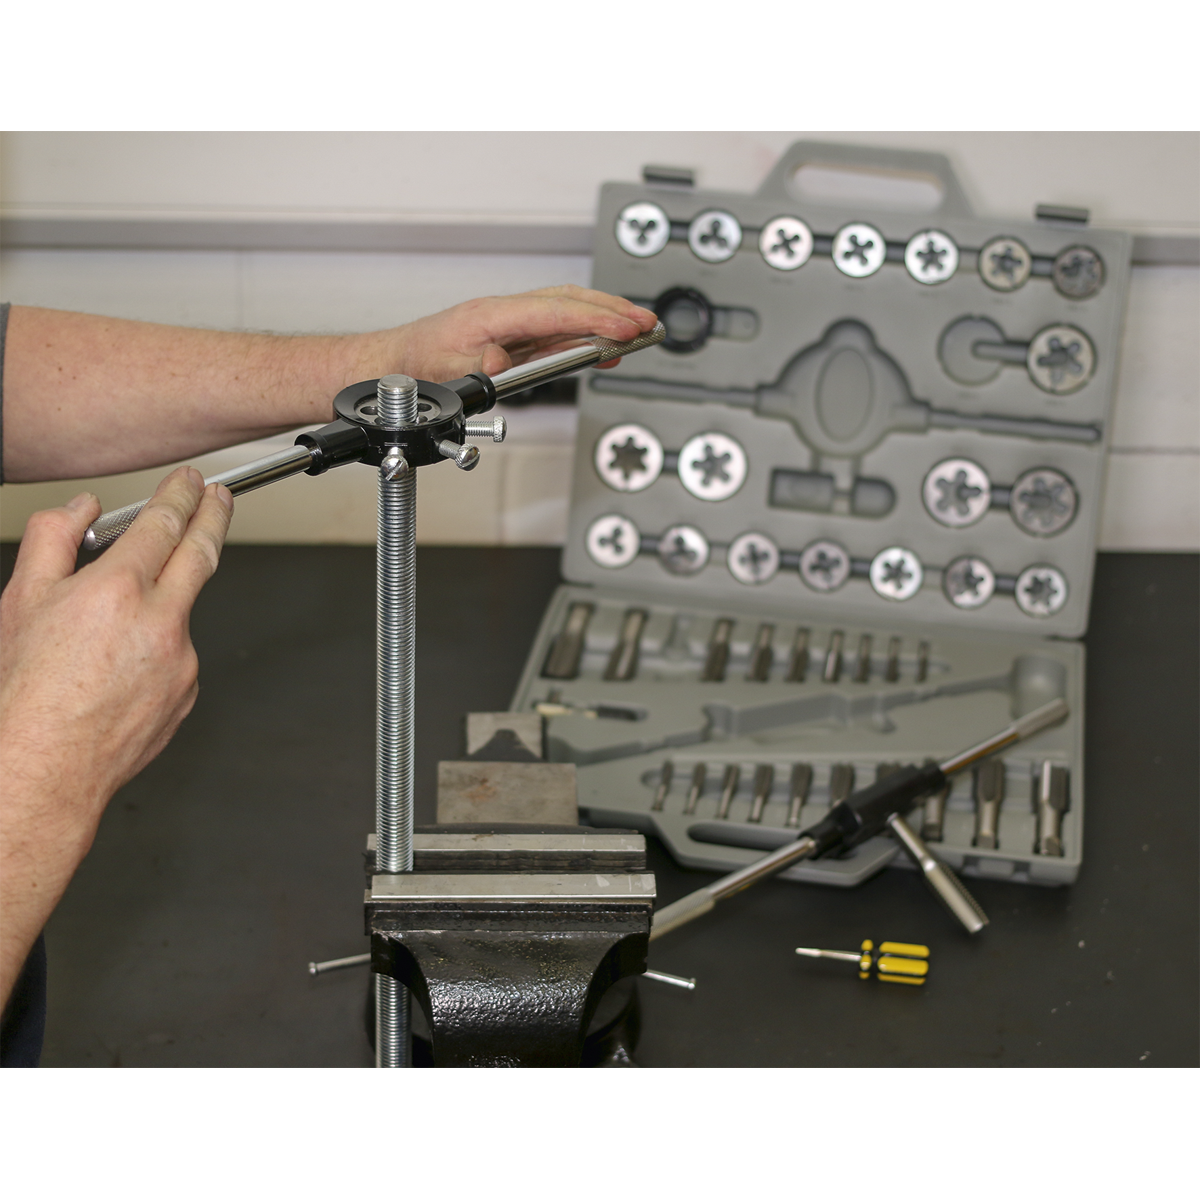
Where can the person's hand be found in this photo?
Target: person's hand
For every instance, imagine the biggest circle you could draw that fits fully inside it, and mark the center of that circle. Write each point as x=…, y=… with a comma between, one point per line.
x=498, y=332
x=97, y=669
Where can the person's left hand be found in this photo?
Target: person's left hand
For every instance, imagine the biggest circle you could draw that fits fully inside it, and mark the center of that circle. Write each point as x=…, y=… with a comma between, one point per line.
x=498, y=332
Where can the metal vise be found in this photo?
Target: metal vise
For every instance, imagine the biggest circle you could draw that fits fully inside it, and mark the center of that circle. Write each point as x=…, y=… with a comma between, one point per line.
x=509, y=936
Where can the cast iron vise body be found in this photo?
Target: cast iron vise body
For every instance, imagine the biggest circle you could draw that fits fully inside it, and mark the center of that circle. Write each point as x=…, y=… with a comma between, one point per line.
x=509, y=940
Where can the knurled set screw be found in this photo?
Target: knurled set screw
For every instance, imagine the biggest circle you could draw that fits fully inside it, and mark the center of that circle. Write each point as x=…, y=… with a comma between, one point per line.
x=495, y=428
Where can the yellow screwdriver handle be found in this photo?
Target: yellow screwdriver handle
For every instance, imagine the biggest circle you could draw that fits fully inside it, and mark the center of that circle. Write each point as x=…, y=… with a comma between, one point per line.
x=896, y=962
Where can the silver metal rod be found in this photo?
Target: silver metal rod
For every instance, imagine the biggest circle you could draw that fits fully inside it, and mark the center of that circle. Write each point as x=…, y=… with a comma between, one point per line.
x=841, y=955
x=1024, y=727
x=704, y=899
x=944, y=884
x=674, y=980
x=338, y=964
x=565, y=362
x=395, y=660
x=109, y=526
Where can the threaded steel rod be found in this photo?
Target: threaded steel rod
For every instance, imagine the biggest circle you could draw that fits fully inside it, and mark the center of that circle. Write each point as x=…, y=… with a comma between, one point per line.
x=395, y=653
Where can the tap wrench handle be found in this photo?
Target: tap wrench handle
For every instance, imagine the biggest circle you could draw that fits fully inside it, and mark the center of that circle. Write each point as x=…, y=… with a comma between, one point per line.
x=866, y=813
x=543, y=370
x=109, y=526
x=343, y=442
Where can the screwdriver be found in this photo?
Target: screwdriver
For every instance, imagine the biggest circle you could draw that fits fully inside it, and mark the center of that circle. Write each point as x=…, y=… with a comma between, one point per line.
x=865, y=814
x=893, y=962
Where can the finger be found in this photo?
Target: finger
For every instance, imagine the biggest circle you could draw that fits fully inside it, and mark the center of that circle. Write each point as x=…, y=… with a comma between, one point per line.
x=51, y=543
x=526, y=318
x=194, y=560
x=159, y=527
x=643, y=317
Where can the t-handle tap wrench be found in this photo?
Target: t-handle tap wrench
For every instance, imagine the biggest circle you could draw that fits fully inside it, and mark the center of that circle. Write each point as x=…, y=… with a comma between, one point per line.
x=866, y=813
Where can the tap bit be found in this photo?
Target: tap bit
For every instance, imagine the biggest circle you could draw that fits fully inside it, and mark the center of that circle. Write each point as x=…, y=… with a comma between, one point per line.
x=989, y=795
x=623, y=662
x=729, y=787
x=566, y=651
x=699, y=776
x=841, y=782
x=764, y=781
x=798, y=667
x=1052, y=798
x=718, y=652
x=664, y=786
x=802, y=775
x=832, y=671
x=892, y=671
x=762, y=656
x=862, y=671
x=935, y=814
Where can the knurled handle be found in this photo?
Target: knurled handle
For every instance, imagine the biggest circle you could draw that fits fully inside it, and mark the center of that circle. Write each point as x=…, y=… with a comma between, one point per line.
x=105, y=529
x=610, y=349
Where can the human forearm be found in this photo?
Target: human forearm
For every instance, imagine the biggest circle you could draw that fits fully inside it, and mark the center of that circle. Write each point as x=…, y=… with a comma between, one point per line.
x=42, y=844
x=86, y=395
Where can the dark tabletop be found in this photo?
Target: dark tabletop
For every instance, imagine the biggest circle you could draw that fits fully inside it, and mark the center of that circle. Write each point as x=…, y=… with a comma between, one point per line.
x=235, y=858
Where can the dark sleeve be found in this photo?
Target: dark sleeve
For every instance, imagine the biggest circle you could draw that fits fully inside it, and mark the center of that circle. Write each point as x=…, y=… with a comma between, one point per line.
x=3, y=331
x=24, y=1024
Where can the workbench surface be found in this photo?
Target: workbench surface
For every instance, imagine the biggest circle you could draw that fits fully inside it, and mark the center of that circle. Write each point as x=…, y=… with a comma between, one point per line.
x=235, y=858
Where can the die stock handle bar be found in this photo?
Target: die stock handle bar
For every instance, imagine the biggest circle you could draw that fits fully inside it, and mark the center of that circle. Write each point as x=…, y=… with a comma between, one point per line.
x=868, y=812
x=307, y=458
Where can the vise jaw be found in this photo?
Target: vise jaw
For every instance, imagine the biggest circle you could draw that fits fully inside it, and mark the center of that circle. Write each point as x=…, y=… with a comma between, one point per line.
x=509, y=936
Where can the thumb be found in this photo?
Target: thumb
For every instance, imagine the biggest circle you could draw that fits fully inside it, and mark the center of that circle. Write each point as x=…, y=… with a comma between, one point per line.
x=51, y=542
x=494, y=359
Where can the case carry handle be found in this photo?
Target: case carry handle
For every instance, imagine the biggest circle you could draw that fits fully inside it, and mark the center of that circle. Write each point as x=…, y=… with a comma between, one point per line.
x=778, y=184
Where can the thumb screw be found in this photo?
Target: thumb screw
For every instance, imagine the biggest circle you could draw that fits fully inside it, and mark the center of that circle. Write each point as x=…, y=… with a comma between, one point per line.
x=486, y=427
x=466, y=458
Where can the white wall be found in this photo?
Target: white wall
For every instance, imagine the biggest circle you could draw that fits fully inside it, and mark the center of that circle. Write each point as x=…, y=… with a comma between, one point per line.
x=518, y=495
x=1140, y=181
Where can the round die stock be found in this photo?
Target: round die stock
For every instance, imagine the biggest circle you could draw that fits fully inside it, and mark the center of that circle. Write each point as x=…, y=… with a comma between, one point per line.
x=931, y=256
x=1078, y=272
x=859, y=250
x=683, y=550
x=957, y=492
x=628, y=457
x=1043, y=502
x=1005, y=264
x=642, y=229
x=968, y=582
x=1041, y=590
x=753, y=558
x=612, y=540
x=712, y=466
x=785, y=243
x=896, y=573
x=714, y=236
x=824, y=565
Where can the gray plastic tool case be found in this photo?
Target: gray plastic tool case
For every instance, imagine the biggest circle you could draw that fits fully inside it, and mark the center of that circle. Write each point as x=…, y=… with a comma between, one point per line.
x=858, y=489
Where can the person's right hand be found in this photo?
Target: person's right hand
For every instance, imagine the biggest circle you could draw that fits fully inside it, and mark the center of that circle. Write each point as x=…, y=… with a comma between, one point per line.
x=97, y=666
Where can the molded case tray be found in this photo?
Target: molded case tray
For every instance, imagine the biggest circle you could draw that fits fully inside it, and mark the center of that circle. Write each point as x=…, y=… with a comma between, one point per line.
x=844, y=449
